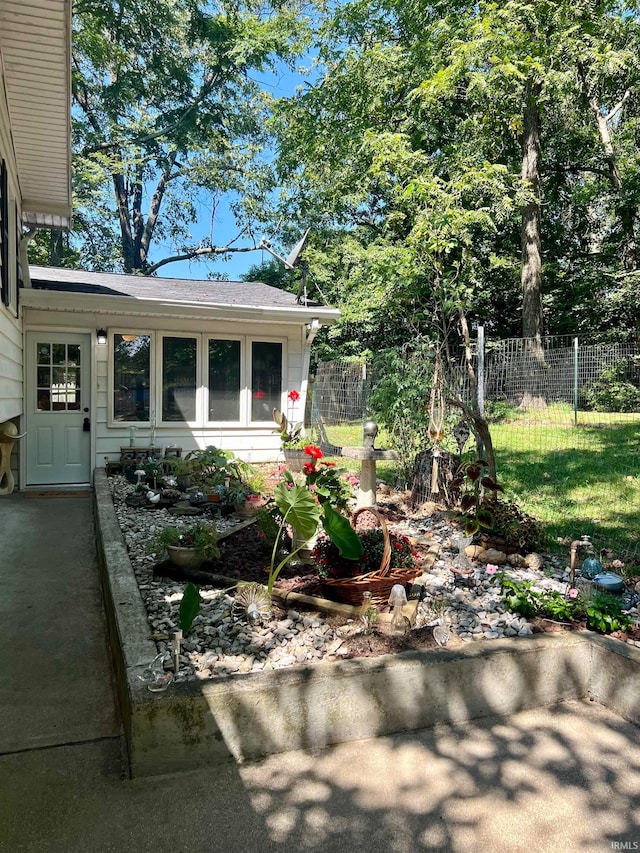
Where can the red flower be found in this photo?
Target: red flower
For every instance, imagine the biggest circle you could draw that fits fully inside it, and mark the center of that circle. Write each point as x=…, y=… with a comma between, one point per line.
x=313, y=451
x=294, y=396
x=329, y=464
x=259, y=395
x=308, y=468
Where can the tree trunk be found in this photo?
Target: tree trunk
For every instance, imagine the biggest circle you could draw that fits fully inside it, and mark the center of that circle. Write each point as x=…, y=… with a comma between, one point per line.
x=477, y=422
x=122, y=205
x=625, y=211
x=531, y=269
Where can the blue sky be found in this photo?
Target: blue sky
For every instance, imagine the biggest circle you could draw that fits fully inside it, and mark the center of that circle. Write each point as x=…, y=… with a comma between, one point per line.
x=282, y=83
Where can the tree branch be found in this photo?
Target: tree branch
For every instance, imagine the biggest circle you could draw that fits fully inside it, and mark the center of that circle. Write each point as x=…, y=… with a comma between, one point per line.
x=144, y=138
x=613, y=112
x=200, y=252
x=577, y=169
x=154, y=207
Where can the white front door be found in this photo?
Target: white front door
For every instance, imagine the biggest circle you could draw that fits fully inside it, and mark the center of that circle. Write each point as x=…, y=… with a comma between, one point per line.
x=57, y=408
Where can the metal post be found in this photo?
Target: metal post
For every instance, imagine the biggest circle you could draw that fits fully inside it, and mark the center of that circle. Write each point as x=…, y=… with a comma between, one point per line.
x=481, y=371
x=480, y=382
x=364, y=393
x=575, y=381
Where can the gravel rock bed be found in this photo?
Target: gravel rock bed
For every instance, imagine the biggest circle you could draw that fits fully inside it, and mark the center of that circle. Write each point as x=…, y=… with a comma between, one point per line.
x=218, y=644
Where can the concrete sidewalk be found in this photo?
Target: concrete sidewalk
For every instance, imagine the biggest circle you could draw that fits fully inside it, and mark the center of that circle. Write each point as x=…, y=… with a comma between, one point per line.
x=564, y=778
x=55, y=672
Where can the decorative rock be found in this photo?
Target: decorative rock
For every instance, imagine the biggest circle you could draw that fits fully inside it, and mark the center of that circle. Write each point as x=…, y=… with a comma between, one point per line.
x=534, y=561
x=219, y=645
x=493, y=556
x=474, y=552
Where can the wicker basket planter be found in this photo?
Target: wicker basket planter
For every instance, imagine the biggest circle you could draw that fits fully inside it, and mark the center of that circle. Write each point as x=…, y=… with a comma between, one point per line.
x=378, y=583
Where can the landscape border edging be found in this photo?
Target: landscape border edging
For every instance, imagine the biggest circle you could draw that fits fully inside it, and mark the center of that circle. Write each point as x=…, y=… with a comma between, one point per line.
x=246, y=716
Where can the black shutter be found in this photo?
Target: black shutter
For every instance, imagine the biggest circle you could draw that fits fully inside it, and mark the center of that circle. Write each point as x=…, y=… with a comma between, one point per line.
x=18, y=262
x=4, y=233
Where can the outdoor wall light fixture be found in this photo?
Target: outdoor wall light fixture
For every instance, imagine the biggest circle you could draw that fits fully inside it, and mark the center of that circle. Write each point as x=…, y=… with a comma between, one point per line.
x=101, y=336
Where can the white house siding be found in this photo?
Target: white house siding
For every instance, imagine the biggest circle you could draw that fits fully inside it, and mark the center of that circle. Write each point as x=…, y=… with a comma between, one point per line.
x=11, y=406
x=253, y=444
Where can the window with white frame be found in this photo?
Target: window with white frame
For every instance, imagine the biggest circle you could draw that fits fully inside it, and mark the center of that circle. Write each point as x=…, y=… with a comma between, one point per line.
x=198, y=379
x=224, y=366
x=179, y=378
x=131, y=366
x=266, y=379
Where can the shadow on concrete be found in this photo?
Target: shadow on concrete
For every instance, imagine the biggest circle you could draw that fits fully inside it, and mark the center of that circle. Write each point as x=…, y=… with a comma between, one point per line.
x=561, y=778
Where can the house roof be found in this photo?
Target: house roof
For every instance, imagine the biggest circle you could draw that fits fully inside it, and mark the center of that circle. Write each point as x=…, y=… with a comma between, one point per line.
x=150, y=294
x=35, y=51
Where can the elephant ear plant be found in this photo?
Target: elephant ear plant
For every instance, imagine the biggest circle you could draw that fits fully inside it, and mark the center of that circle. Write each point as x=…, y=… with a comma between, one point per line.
x=300, y=509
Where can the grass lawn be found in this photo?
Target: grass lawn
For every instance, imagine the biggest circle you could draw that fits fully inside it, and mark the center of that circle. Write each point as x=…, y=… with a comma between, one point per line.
x=577, y=480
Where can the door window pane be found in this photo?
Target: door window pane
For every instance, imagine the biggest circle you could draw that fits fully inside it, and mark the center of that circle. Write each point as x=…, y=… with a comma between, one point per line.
x=266, y=379
x=179, y=379
x=224, y=380
x=58, y=377
x=131, y=377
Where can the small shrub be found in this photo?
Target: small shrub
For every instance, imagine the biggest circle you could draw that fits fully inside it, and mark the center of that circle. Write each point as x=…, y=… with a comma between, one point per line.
x=612, y=391
x=604, y=614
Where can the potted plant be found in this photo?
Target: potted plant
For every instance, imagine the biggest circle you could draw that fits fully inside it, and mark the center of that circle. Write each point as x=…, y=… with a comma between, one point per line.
x=189, y=546
x=292, y=435
x=181, y=469
x=386, y=559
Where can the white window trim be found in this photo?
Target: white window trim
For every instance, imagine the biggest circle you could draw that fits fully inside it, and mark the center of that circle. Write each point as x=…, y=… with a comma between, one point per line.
x=242, y=414
x=202, y=378
x=111, y=333
x=251, y=339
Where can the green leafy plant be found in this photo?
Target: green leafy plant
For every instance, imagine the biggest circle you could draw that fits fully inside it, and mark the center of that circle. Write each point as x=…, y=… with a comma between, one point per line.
x=211, y=466
x=299, y=508
x=268, y=520
x=325, y=480
x=400, y=400
x=557, y=606
x=475, y=508
x=201, y=537
x=604, y=614
x=612, y=391
x=189, y=607
x=519, y=596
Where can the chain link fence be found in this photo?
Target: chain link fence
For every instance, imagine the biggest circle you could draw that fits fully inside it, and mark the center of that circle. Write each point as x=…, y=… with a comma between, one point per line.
x=565, y=424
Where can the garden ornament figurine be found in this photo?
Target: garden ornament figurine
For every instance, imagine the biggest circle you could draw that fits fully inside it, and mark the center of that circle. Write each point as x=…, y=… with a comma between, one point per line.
x=397, y=599
x=8, y=437
x=370, y=431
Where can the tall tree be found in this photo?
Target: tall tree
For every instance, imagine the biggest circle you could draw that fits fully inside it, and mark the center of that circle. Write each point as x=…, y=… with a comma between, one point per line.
x=482, y=95
x=169, y=117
